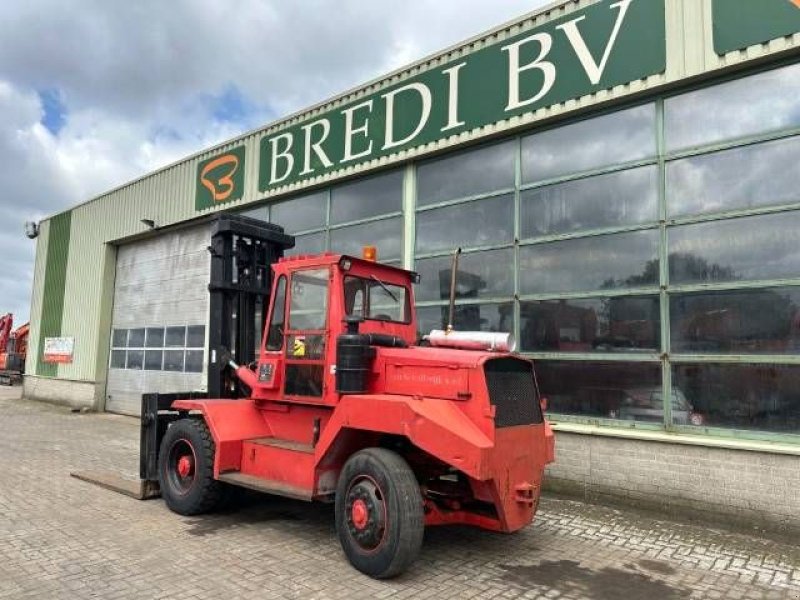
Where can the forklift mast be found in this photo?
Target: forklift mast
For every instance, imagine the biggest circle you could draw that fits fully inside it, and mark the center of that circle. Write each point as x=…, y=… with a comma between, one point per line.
x=243, y=251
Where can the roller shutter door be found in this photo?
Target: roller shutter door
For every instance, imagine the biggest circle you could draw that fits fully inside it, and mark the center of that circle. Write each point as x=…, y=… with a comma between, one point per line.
x=159, y=318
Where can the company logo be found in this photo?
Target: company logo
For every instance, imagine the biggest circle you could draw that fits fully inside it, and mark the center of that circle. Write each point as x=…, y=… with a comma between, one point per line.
x=217, y=176
x=220, y=179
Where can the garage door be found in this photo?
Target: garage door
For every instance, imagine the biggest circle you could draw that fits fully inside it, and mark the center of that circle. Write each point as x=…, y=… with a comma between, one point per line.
x=159, y=318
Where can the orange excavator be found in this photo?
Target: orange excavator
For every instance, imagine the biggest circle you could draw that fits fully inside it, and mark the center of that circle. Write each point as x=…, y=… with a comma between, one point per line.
x=13, y=349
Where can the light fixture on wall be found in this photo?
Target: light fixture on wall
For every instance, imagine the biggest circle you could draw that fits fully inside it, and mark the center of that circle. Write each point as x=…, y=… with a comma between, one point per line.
x=31, y=229
x=149, y=223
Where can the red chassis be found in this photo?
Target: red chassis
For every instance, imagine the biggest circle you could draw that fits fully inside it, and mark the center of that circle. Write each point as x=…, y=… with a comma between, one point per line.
x=430, y=436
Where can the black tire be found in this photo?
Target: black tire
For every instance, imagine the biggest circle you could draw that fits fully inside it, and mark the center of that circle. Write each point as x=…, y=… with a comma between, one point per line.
x=383, y=535
x=188, y=490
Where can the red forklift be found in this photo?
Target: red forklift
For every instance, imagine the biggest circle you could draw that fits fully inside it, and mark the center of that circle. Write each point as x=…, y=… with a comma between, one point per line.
x=343, y=404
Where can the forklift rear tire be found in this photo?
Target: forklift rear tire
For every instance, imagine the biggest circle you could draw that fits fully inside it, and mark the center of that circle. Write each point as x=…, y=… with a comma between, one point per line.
x=379, y=513
x=186, y=468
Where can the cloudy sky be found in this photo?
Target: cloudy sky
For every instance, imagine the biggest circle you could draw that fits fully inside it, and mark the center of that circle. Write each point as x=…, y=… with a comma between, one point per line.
x=94, y=93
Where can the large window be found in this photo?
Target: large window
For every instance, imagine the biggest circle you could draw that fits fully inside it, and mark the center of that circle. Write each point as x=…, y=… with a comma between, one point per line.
x=622, y=324
x=467, y=201
x=751, y=106
x=612, y=200
x=177, y=349
x=344, y=218
x=648, y=258
x=618, y=138
x=606, y=262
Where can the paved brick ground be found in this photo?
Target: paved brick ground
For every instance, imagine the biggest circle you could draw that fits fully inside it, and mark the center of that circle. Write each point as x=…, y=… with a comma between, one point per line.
x=63, y=538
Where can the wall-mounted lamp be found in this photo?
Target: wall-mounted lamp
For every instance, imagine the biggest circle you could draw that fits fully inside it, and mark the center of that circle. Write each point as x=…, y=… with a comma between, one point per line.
x=149, y=223
x=31, y=230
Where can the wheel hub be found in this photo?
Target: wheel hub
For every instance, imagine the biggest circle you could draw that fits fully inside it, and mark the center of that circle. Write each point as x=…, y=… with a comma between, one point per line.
x=366, y=513
x=184, y=466
x=360, y=514
x=181, y=466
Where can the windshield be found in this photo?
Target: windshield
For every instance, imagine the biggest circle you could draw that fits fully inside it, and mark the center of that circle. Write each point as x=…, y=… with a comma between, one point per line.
x=376, y=300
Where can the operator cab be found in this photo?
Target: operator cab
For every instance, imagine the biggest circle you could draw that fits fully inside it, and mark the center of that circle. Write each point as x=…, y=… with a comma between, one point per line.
x=311, y=298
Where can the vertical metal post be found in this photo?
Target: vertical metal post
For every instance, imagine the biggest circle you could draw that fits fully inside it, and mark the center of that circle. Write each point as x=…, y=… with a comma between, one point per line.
x=517, y=234
x=663, y=261
x=409, y=215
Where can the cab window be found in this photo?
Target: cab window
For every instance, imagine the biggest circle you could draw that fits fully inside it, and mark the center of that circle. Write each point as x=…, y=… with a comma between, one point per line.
x=309, y=300
x=305, y=344
x=275, y=330
x=376, y=300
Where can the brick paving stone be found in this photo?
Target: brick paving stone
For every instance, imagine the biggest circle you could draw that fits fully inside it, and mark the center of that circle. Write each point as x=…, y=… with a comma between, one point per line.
x=63, y=538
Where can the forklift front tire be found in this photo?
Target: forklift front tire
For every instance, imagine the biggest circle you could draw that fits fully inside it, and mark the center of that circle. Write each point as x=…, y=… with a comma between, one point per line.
x=186, y=468
x=379, y=513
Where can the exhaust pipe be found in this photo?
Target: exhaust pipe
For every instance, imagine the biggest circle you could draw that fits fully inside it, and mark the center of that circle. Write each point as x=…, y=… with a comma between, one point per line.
x=453, y=273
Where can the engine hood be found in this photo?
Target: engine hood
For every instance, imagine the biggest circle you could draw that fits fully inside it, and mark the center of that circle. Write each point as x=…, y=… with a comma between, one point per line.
x=434, y=372
x=433, y=357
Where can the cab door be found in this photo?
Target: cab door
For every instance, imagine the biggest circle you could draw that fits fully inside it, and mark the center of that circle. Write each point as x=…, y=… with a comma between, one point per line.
x=270, y=366
x=306, y=335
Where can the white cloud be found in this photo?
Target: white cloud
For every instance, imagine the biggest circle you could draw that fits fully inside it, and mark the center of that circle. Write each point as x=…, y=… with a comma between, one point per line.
x=145, y=83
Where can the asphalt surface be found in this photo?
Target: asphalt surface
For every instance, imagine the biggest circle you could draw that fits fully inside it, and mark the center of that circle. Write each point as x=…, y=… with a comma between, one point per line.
x=64, y=538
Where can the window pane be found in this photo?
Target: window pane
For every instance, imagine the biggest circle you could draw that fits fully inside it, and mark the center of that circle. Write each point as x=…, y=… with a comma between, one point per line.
x=301, y=214
x=135, y=359
x=480, y=275
x=763, y=397
x=176, y=337
x=367, y=198
x=311, y=243
x=275, y=331
x=760, y=175
x=624, y=198
x=173, y=360
x=473, y=317
x=470, y=173
x=375, y=300
x=620, y=137
x=118, y=359
x=261, y=213
x=739, y=322
x=598, y=263
x=194, y=361
x=624, y=324
x=153, y=360
x=627, y=391
x=487, y=222
x=304, y=380
x=196, y=336
x=155, y=337
x=309, y=299
x=119, y=339
x=763, y=247
x=136, y=338
x=760, y=103
x=387, y=235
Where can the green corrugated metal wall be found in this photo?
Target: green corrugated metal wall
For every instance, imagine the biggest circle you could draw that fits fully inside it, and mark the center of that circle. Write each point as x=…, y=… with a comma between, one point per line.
x=54, y=282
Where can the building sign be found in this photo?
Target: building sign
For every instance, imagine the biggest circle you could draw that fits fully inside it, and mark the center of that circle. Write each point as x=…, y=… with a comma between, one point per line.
x=58, y=349
x=609, y=43
x=742, y=23
x=220, y=179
